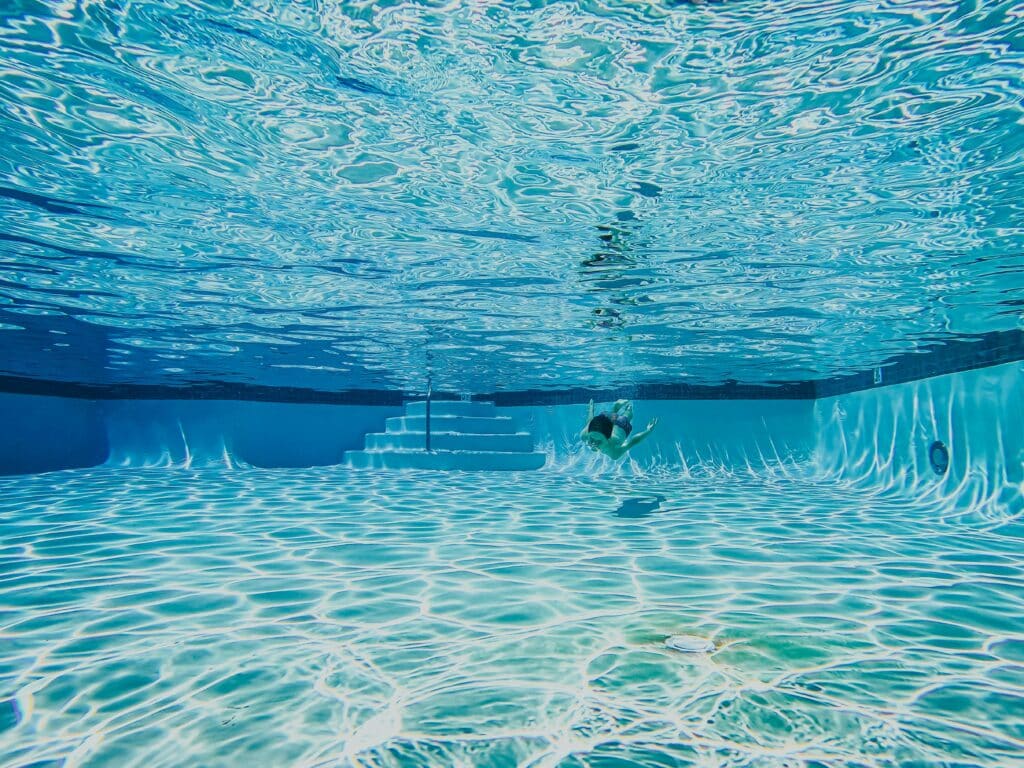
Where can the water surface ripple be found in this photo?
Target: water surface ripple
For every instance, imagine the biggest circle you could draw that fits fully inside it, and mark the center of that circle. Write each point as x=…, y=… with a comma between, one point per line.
x=545, y=194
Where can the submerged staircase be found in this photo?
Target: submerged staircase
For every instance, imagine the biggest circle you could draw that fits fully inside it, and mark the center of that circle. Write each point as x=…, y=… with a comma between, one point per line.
x=462, y=435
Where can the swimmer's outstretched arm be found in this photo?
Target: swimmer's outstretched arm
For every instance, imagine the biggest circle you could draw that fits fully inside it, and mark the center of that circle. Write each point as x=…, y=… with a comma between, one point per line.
x=640, y=436
x=590, y=415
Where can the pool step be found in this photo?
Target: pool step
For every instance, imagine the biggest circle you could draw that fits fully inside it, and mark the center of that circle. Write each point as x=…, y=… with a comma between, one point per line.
x=450, y=408
x=486, y=425
x=450, y=441
x=466, y=461
x=464, y=435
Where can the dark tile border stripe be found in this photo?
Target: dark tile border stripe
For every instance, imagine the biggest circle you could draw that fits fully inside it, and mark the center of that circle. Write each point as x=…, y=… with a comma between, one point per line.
x=730, y=390
x=938, y=359
x=941, y=358
x=210, y=391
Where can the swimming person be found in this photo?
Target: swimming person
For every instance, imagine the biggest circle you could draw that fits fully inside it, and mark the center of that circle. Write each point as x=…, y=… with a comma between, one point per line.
x=609, y=432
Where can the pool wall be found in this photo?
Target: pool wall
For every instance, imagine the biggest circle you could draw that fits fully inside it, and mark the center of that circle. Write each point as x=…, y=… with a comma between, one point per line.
x=42, y=433
x=882, y=436
x=52, y=433
x=878, y=436
x=730, y=434
x=225, y=432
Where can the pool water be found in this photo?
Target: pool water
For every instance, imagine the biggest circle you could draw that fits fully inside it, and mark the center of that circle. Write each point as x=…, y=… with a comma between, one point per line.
x=510, y=196
x=332, y=618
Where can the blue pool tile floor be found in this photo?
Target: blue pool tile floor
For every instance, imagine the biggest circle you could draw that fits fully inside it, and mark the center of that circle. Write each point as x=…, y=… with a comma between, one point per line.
x=332, y=618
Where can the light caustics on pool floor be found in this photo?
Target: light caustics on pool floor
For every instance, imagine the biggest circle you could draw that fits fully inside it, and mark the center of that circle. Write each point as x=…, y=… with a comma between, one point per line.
x=329, y=618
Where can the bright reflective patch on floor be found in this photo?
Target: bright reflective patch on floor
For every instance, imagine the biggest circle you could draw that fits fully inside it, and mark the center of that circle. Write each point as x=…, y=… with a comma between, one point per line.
x=333, y=618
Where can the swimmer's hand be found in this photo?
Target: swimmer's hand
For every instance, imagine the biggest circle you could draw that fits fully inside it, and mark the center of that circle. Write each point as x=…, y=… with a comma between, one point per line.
x=590, y=415
x=651, y=423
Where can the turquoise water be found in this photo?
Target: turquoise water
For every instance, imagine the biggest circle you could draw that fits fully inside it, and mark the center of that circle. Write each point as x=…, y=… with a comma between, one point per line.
x=311, y=618
x=509, y=195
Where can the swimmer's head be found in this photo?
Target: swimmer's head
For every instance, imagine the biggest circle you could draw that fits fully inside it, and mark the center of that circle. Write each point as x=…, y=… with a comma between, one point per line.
x=594, y=440
x=601, y=425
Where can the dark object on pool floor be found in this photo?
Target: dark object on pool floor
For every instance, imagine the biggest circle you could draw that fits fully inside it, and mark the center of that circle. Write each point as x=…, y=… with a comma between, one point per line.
x=938, y=457
x=641, y=506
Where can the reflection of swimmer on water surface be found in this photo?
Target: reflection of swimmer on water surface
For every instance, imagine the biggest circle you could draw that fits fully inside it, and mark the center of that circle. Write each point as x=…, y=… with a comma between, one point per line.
x=609, y=433
x=616, y=271
x=610, y=318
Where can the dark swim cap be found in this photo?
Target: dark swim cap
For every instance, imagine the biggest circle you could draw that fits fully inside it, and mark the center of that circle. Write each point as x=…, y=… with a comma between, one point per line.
x=601, y=423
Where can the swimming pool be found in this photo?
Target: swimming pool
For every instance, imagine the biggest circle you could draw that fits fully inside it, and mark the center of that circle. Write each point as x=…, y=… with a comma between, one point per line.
x=262, y=262
x=863, y=610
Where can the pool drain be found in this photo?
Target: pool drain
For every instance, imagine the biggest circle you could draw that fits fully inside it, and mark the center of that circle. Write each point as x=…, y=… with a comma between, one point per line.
x=689, y=644
x=938, y=457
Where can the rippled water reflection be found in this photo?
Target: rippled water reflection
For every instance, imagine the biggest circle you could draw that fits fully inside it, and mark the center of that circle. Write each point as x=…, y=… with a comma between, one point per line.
x=551, y=194
x=330, y=618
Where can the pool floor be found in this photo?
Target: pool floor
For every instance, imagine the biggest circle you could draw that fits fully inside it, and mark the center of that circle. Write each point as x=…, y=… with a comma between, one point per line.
x=337, y=618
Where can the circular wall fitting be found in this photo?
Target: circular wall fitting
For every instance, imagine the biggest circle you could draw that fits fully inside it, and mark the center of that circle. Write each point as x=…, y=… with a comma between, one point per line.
x=938, y=457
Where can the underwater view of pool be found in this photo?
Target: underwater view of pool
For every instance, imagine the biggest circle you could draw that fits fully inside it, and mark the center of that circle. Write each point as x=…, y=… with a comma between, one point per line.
x=327, y=617
x=285, y=283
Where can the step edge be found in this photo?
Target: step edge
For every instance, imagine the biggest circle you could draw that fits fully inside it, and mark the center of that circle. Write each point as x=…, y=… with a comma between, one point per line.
x=444, y=452
x=441, y=432
x=467, y=402
x=442, y=416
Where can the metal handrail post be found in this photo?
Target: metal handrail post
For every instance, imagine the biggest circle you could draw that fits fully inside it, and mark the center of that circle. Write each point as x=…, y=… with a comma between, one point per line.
x=427, y=409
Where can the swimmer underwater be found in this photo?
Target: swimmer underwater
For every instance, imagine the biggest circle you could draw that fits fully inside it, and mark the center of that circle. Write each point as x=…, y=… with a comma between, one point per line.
x=609, y=433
